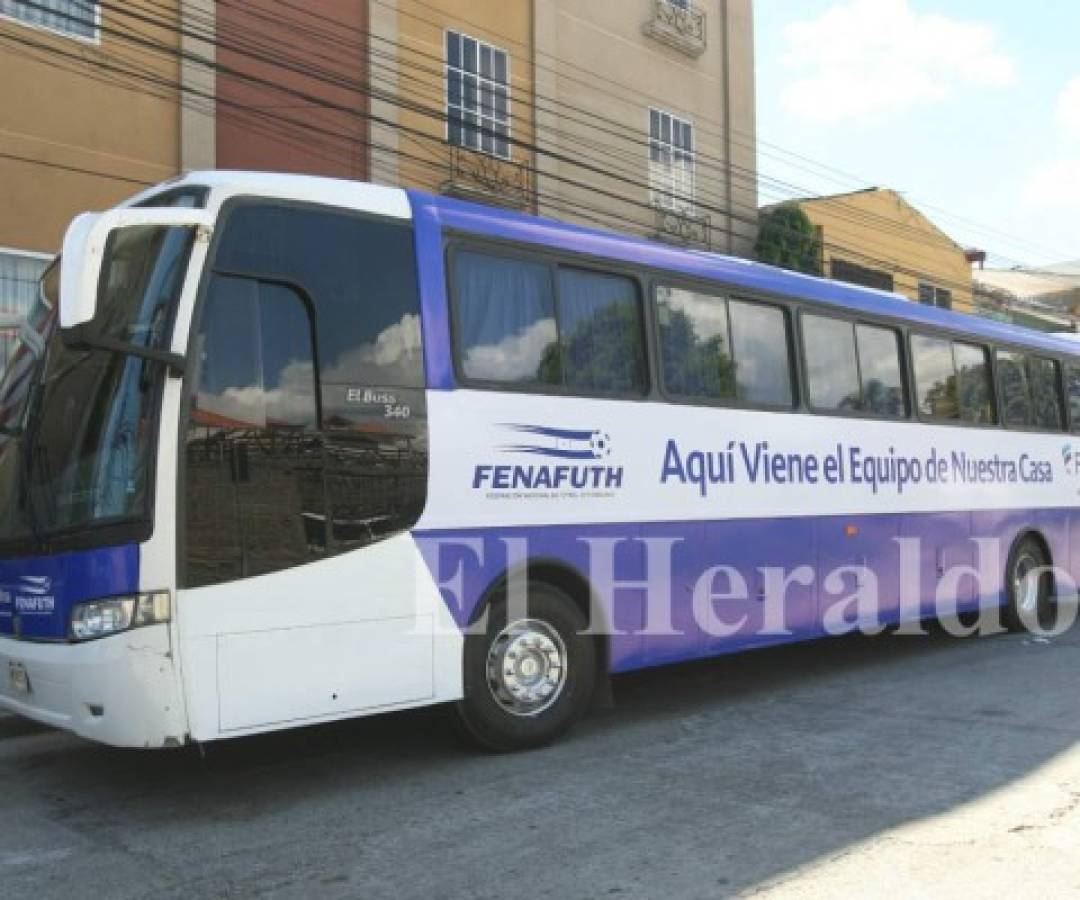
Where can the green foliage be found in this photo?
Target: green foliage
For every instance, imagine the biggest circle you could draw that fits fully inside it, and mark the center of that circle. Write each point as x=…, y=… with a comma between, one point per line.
x=789, y=240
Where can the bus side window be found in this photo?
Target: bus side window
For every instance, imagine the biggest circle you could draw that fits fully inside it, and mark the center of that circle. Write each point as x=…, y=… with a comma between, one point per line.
x=1072, y=385
x=975, y=386
x=761, y=341
x=601, y=333
x=527, y=323
x=832, y=367
x=881, y=371
x=1044, y=377
x=695, y=344
x=1015, y=389
x=935, y=377
x=505, y=319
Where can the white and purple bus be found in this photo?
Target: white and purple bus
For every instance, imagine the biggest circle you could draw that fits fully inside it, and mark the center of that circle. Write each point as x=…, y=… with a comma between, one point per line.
x=281, y=450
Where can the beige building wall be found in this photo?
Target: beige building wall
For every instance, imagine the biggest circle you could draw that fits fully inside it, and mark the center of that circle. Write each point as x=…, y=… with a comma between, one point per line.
x=74, y=138
x=600, y=67
x=878, y=229
x=408, y=79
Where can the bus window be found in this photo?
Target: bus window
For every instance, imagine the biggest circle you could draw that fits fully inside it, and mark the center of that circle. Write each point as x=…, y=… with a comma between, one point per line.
x=305, y=463
x=695, y=344
x=760, y=340
x=935, y=377
x=1073, y=387
x=881, y=370
x=254, y=478
x=975, y=384
x=1044, y=378
x=506, y=320
x=601, y=333
x=1015, y=390
x=832, y=369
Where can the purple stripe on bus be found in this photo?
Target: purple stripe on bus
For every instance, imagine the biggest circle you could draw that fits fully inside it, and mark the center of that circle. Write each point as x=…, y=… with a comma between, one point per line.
x=37, y=593
x=434, y=306
x=823, y=543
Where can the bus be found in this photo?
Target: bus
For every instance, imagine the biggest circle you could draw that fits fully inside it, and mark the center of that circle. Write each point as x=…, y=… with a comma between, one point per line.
x=281, y=450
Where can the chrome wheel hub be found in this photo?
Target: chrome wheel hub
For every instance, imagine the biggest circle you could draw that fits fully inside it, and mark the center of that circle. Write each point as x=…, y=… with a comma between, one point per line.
x=526, y=667
x=1026, y=584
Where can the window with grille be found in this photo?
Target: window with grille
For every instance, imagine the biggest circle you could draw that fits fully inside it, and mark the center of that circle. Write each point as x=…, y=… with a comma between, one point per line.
x=77, y=18
x=19, y=276
x=671, y=161
x=477, y=95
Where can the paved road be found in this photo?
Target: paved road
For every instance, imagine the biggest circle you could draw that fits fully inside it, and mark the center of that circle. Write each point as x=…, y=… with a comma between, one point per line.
x=855, y=767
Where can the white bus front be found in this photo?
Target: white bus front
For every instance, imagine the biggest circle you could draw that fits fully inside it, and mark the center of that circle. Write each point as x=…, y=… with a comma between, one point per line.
x=210, y=465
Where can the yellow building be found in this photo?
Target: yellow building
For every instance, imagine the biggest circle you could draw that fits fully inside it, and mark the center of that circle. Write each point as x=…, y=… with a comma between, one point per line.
x=91, y=114
x=878, y=239
x=452, y=87
x=634, y=115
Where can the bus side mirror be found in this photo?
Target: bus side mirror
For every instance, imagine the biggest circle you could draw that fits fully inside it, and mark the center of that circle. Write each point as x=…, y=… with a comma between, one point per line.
x=80, y=269
x=85, y=246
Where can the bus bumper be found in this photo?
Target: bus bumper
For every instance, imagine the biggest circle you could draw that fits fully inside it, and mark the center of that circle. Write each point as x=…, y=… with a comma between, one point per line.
x=121, y=690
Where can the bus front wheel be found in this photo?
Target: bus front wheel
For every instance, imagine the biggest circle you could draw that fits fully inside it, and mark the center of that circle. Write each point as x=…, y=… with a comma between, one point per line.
x=528, y=677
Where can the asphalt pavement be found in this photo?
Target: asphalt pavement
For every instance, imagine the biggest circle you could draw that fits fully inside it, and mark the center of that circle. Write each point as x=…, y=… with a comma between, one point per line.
x=857, y=767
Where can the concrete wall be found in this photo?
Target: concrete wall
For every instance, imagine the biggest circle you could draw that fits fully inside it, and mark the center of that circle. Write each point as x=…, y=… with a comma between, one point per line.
x=878, y=229
x=291, y=92
x=602, y=73
x=84, y=141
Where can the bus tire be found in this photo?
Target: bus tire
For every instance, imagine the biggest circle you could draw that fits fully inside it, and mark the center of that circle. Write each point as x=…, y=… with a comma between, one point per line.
x=1027, y=604
x=527, y=682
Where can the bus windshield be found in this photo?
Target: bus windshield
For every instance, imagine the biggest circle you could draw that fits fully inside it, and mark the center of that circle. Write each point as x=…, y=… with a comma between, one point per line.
x=81, y=453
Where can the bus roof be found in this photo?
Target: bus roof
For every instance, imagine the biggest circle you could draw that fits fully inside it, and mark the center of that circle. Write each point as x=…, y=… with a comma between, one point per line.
x=507, y=225
x=499, y=223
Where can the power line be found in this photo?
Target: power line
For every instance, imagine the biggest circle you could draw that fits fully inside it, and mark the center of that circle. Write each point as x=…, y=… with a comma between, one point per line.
x=727, y=212
x=411, y=132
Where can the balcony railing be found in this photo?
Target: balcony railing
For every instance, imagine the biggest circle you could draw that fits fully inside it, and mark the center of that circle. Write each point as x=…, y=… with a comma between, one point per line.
x=488, y=179
x=679, y=25
x=685, y=228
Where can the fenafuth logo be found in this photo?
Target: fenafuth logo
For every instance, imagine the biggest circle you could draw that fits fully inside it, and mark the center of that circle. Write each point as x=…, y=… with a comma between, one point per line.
x=33, y=595
x=573, y=460
x=1070, y=456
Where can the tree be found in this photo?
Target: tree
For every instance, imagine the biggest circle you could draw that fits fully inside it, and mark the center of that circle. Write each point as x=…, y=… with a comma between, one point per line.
x=788, y=239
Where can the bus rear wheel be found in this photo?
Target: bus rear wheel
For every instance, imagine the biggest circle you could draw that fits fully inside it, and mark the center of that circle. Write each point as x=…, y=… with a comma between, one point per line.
x=527, y=679
x=1029, y=588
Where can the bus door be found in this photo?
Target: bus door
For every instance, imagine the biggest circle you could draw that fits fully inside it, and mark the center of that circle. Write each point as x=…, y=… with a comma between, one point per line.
x=254, y=452
x=943, y=542
x=764, y=553
x=859, y=556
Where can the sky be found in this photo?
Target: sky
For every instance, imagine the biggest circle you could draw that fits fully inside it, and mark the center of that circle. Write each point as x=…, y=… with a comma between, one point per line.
x=970, y=108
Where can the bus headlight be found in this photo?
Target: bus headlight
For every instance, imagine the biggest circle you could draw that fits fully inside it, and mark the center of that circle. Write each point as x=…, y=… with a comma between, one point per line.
x=100, y=618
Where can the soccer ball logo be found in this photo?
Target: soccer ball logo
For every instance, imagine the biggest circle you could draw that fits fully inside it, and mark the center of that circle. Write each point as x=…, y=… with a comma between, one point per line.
x=600, y=444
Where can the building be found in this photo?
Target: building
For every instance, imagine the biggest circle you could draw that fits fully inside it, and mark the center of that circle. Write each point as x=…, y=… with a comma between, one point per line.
x=878, y=239
x=635, y=115
x=658, y=97
x=452, y=88
x=290, y=87
x=74, y=136
x=1043, y=299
